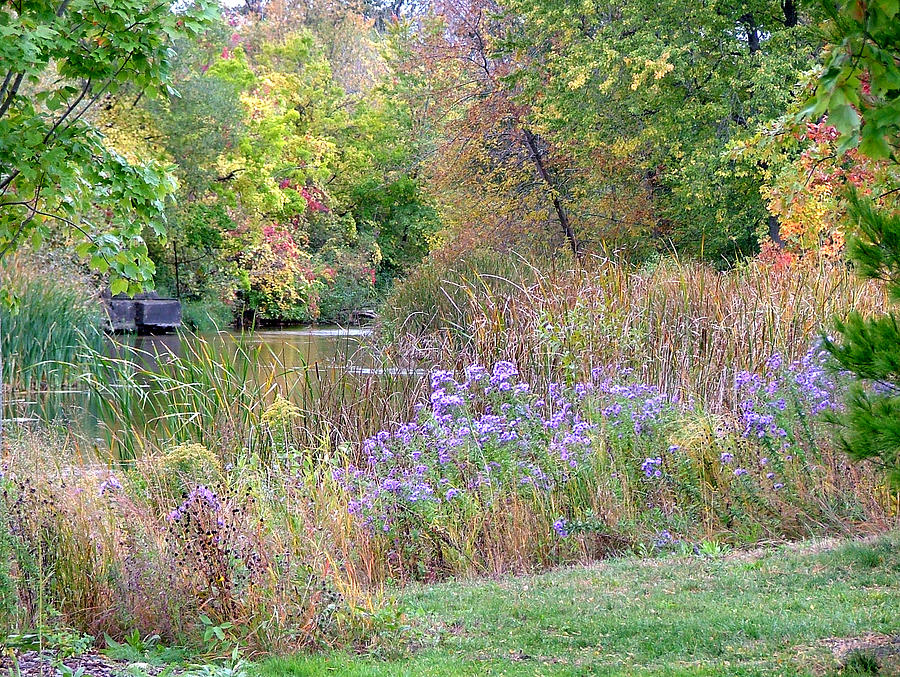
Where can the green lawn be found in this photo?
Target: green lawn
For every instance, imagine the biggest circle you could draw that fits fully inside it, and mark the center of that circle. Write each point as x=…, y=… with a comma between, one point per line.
x=742, y=614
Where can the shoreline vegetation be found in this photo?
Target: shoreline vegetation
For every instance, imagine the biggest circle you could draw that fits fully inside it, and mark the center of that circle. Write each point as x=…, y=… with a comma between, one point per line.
x=564, y=417
x=631, y=401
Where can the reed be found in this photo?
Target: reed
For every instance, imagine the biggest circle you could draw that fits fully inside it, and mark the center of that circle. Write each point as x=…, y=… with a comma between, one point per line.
x=50, y=321
x=685, y=327
x=217, y=392
x=532, y=446
x=116, y=551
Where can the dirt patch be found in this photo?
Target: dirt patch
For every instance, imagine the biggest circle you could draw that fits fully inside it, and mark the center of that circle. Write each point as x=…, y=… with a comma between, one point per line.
x=885, y=649
x=44, y=664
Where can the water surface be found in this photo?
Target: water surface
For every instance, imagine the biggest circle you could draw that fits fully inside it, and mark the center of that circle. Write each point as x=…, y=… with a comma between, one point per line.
x=323, y=349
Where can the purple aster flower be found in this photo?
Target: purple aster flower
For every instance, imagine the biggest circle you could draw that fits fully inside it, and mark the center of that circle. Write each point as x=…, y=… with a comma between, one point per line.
x=663, y=538
x=651, y=467
x=110, y=484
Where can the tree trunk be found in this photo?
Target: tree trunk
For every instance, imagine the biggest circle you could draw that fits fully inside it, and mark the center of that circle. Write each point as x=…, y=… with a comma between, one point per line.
x=791, y=16
x=752, y=32
x=775, y=231
x=561, y=213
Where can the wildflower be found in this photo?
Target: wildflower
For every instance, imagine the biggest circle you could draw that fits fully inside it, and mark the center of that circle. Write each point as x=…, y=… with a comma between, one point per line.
x=451, y=494
x=439, y=377
x=561, y=528
x=663, y=538
x=475, y=372
x=726, y=457
x=198, y=496
x=650, y=467
x=778, y=485
x=738, y=472
x=110, y=484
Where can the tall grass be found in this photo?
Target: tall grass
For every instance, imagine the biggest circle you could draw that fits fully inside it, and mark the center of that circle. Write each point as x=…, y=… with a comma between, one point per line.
x=685, y=327
x=319, y=484
x=158, y=545
x=51, y=321
x=216, y=394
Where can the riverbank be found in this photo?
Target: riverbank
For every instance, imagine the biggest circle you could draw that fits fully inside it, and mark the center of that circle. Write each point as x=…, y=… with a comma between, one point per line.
x=281, y=503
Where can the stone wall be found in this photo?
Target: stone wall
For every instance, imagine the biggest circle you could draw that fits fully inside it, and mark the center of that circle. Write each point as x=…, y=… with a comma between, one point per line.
x=145, y=313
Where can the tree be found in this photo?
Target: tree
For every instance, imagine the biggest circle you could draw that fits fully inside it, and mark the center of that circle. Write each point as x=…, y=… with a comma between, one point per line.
x=313, y=176
x=189, y=131
x=503, y=176
x=58, y=59
x=870, y=347
x=860, y=90
x=665, y=88
x=806, y=183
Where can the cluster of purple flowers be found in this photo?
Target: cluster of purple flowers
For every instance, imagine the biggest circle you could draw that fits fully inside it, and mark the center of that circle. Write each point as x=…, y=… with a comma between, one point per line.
x=764, y=398
x=487, y=431
x=200, y=497
x=651, y=467
x=561, y=527
x=636, y=405
x=477, y=435
x=109, y=485
x=772, y=404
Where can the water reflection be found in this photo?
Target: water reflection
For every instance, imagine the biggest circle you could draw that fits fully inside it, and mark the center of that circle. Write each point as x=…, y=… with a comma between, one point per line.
x=289, y=347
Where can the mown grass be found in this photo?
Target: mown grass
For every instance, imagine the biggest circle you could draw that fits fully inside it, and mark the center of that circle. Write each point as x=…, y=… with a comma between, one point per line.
x=742, y=614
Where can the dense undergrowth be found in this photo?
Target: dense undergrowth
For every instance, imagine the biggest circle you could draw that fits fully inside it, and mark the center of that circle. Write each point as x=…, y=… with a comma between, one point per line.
x=564, y=415
x=684, y=327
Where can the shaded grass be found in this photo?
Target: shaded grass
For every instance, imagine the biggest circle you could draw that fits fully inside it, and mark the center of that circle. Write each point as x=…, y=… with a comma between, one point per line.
x=738, y=615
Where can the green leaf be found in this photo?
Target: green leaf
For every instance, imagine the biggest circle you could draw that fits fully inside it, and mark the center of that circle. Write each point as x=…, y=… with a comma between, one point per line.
x=889, y=7
x=874, y=146
x=844, y=118
x=99, y=263
x=118, y=286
